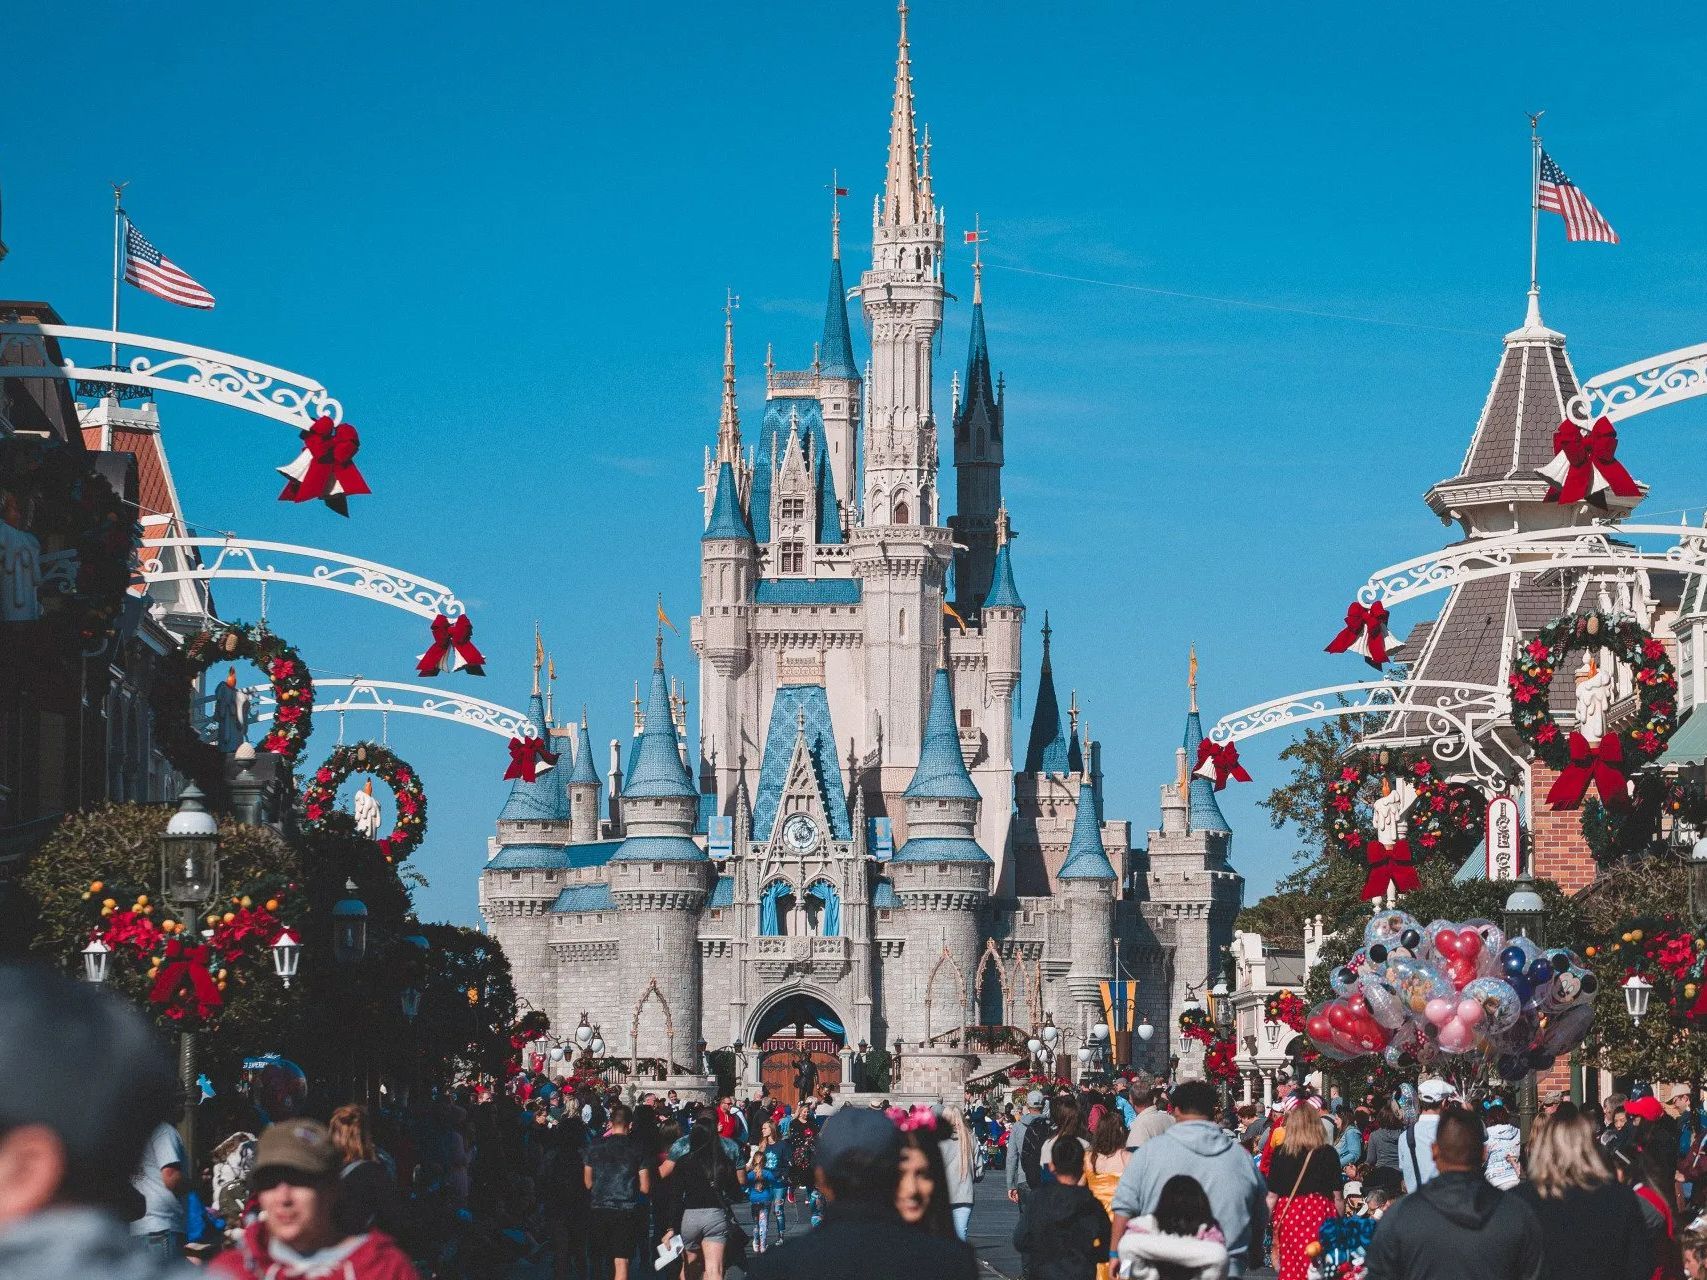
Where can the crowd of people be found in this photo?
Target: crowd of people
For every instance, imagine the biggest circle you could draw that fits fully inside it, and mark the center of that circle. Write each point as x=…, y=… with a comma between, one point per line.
x=563, y=1179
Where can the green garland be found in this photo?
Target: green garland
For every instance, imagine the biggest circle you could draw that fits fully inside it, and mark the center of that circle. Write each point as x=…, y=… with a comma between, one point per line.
x=174, y=724
x=320, y=796
x=1615, y=837
x=1442, y=819
x=1531, y=683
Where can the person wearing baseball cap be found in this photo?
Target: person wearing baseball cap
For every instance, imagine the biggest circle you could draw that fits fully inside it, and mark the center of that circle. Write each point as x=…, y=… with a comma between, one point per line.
x=862, y=1236
x=83, y=1084
x=297, y=1236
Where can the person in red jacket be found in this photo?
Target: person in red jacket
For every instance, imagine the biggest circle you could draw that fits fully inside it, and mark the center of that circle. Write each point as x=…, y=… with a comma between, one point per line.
x=296, y=1181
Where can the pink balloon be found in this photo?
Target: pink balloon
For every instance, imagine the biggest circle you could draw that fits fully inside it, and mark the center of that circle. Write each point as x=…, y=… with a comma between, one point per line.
x=1439, y=1011
x=1455, y=1037
x=1470, y=1012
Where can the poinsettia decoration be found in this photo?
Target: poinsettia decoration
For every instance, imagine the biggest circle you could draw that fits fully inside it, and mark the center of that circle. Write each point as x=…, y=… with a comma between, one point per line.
x=320, y=796
x=1220, y=1063
x=1195, y=1024
x=189, y=966
x=1286, y=1007
x=1606, y=763
x=1667, y=953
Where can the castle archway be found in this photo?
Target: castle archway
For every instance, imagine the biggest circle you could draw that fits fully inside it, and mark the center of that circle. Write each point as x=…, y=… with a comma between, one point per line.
x=798, y=1037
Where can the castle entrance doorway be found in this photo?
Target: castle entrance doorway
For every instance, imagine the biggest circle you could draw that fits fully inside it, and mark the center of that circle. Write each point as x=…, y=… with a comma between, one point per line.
x=798, y=1041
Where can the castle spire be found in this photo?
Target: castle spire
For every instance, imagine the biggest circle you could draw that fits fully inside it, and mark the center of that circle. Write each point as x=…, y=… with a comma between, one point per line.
x=902, y=206
x=1046, y=750
x=835, y=351
x=1191, y=678
x=538, y=661
x=729, y=422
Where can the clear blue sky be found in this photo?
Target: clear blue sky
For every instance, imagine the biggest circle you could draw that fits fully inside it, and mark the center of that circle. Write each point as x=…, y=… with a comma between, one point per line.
x=502, y=236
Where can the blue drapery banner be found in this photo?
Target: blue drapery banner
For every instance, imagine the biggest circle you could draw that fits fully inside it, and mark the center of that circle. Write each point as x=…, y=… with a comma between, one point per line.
x=830, y=917
x=770, y=925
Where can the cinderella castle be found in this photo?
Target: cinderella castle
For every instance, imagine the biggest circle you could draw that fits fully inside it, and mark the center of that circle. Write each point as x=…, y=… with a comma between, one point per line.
x=854, y=850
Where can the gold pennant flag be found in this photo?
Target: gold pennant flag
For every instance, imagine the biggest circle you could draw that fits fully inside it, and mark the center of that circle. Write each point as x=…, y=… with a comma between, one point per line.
x=664, y=618
x=954, y=613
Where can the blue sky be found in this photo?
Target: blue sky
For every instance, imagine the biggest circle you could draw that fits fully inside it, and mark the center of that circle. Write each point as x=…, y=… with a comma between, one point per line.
x=505, y=244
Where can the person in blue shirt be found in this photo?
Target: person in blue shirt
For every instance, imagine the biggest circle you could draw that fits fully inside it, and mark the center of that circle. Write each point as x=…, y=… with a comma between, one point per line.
x=766, y=1179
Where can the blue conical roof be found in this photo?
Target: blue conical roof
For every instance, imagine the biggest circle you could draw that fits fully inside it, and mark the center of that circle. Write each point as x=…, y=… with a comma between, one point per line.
x=1075, y=755
x=835, y=355
x=1205, y=812
x=1046, y=750
x=1086, y=858
x=941, y=774
x=727, y=518
x=583, y=771
x=1003, y=593
x=543, y=799
x=655, y=766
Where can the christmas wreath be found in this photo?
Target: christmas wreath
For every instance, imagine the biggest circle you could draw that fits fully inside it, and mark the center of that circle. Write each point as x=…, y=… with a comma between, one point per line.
x=1620, y=835
x=174, y=725
x=320, y=796
x=1195, y=1024
x=1579, y=761
x=1442, y=816
x=189, y=968
x=53, y=493
x=1286, y=1007
x=1665, y=952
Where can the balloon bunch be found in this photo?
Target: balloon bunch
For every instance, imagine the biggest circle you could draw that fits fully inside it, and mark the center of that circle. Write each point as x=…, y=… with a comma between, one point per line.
x=1416, y=993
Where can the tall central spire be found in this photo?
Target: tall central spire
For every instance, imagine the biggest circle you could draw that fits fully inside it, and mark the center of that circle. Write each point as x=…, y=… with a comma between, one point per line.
x=902, y=206
x=729, y=423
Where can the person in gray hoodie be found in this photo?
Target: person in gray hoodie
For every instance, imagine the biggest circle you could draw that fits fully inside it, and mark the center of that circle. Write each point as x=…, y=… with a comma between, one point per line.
x=1198, y=1147
x=1456, y=1226
x=82, y=1086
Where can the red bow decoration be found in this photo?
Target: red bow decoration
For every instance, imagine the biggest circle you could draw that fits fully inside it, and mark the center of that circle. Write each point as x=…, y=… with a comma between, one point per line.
x=325, y=468
x=528, y=759
x=1389, y=865
x=451, y=649
x=1585, y=465
x=1219, y=763
x=190, y=963
x=1365, y=633
x=1602, y=764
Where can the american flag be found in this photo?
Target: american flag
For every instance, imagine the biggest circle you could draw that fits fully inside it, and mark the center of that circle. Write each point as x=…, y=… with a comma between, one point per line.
x=153, y=272
x=1557, y=194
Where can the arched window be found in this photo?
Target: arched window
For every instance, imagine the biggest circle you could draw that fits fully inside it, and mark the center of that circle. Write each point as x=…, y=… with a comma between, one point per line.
x=823, y=910
x=902, y=514
x=776, y=909
x=901, y=624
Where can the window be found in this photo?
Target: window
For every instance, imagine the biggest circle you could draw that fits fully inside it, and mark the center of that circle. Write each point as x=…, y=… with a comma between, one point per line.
x=966, y=717
x=793, y=508
x=794, y=557
x=901, y=512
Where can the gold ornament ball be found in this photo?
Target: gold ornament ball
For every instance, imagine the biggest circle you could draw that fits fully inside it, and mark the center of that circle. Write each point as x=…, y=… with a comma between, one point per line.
x=229, y=916
x=94, y=886
x=272, y=904
x=246, y=901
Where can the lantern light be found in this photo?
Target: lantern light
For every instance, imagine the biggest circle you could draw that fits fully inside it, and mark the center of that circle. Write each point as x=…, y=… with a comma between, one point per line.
x=1100, y=1031
x=349, y=927
x=287, y=952
x=95, y=957
x=1145, y=1030
x=1637, y=989
x=189, y=853
x=584, y=1032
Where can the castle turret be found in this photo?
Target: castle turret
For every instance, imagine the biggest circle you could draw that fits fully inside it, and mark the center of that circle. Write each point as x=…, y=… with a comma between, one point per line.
x=659, y=879
x=583, y=787
x=1088, y=881
x=942, y=880
x=839, y=383
x=1046, y=750
x=1003, y=617
x=977, y=464
x=536, y=811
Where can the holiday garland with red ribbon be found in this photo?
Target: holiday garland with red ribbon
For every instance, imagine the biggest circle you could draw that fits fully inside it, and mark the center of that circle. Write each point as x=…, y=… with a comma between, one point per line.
x=181, y=669
x=320, y=796
x=1605, y=764
x=1665, y=952
x=1220, y=1053
x=1286, y=1007
x=1440, y=812
x=189, y=966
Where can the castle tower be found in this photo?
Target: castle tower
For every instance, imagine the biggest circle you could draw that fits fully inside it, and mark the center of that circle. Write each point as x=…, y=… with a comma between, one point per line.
x=537, y=810
x=1046, y=749
x=839, y=383
x=977, y=464
x=902, y=296
x=1194, y=891
x=583, y=787
x=1088, y=881
x=659, y=879
x=942, y=880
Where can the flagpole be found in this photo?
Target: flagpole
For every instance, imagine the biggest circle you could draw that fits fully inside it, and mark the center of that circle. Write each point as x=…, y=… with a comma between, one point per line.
x=118, y=238
x=1534, y=213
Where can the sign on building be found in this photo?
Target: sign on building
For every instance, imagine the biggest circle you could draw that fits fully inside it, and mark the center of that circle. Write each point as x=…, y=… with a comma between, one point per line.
x=1504, y=839
x=720, y=838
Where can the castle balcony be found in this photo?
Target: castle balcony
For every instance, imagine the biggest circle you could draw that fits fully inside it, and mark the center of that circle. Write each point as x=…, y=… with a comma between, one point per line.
x=822, y=959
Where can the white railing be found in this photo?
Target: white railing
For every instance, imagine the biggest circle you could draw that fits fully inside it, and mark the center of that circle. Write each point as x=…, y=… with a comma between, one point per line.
x=1642, y=385
x=390, y=697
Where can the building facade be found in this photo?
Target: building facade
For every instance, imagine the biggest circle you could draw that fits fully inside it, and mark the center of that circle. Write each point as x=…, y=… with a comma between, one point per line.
x=853, y=848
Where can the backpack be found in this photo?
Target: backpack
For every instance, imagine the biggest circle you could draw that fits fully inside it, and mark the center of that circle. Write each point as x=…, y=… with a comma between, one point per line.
x=1037, y=1133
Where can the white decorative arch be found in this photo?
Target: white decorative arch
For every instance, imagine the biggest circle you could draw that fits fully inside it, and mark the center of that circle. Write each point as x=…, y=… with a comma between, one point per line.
x=391, y=697
x=1650, y=383
x=269, y=562
x=1456, y=720
x=177, y=367
x=1603, y=546
x=962, y=990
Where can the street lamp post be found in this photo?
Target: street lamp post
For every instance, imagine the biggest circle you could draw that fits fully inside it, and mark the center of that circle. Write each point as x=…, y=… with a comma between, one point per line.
x=1221, y=1006
x=1145, y=1032
x=189, y=880
x=349, y=946
x=1526, y=917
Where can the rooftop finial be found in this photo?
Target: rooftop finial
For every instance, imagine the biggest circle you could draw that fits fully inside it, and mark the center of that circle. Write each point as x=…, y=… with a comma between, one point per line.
x=583, y=715
x=551, y=679
x=1047, y=632
x=901, y=183
x=1073, y=711
x=837, y=191
x=729, y=423
x=976, y=237
x=1191, y=677
x=1002, y=534
x=538, y=657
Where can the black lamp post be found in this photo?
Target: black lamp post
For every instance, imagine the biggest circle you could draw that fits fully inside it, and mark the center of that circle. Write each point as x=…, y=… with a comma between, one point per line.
x=1221, y=1008
x=349, y=946
x=1526, y=917
x=189, y=880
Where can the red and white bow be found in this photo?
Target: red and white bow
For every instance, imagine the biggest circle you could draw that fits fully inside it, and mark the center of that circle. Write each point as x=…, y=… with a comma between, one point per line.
x=1219, y=762
x=1601, y=764
x=528, y=759
x=1389, y=864
x=1585, y=466
x=325, y=469
x=1364, y=633
x=451, y=649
